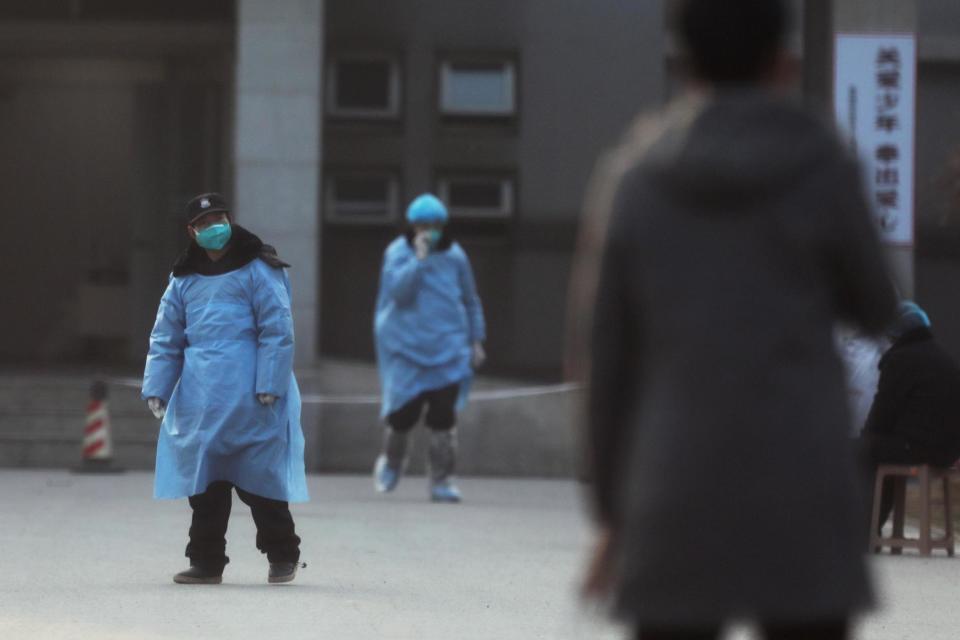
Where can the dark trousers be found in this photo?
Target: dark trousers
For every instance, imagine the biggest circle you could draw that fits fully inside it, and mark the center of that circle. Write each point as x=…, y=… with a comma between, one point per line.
x=441, y=410
x=208, y=529
x=836, y=630
x=878, y=449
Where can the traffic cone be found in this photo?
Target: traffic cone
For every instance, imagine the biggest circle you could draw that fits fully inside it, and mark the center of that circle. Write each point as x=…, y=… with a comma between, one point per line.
x=97, y=451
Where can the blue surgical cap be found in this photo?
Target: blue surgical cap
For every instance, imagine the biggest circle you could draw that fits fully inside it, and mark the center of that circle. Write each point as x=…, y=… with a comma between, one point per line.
x=909, y=317
x=426, y=208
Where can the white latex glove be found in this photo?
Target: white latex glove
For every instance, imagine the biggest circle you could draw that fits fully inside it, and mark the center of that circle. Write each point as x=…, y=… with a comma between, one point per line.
x=266, y=399
x=421, y=244
x=157, y=407
x=479, y=355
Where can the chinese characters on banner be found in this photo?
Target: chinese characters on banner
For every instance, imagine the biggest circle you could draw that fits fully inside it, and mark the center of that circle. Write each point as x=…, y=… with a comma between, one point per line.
x=874, y=92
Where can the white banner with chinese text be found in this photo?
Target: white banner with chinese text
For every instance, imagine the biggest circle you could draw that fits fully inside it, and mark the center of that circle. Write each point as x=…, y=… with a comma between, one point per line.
x=874, y=95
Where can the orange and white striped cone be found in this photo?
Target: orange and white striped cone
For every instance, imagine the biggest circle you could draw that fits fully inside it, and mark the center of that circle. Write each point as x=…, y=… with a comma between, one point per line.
x=97, y=450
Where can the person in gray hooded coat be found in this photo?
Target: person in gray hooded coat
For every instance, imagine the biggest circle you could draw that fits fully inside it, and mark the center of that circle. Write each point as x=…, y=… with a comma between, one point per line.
x=724, y=483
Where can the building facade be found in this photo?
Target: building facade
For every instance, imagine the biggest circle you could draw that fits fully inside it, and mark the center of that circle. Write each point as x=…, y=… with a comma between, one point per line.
x=501, y=108
x=322, y=119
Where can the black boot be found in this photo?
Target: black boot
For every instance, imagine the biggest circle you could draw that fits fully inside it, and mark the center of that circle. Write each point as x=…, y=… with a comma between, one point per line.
x=200, y=575
x=283, y=571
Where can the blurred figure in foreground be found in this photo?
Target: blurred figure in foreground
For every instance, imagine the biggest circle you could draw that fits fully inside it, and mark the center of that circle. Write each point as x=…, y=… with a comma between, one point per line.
x=429, y=331
x=725, y=483
x=915, y=416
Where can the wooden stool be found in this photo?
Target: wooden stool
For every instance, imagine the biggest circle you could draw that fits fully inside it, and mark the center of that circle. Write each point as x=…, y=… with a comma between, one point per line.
x=924, y=474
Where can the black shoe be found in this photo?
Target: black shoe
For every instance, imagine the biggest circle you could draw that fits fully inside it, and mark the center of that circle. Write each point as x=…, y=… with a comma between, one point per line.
x=283, y=571
x=199, y=575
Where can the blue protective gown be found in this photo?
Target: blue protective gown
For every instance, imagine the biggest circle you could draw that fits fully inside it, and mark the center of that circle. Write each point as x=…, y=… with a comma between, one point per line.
x=217, y=342
x=428, y=316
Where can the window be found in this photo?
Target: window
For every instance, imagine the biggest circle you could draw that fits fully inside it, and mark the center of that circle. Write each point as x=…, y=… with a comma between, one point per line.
x=363, y=86
x=362, y=198
x=478, y=89
x=477, y=196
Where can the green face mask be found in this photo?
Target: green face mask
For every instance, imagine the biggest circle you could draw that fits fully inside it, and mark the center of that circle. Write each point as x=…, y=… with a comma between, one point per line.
x=215, y=237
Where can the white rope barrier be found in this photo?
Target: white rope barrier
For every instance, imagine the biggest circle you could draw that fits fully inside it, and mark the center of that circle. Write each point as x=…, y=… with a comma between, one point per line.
x=482, y=395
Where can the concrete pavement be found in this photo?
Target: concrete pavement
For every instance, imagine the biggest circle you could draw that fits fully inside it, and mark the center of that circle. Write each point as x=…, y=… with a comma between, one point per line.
x=91, y=557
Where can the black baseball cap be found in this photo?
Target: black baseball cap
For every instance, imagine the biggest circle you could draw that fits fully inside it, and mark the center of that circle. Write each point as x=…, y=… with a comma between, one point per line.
x=206, y=203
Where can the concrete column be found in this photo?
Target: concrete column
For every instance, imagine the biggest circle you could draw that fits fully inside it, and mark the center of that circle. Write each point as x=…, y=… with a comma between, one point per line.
x=277, y=160
x=824, y=18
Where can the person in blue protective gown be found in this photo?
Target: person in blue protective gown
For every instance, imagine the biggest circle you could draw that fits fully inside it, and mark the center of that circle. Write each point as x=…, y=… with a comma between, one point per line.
x=429, y=331
x=219, y=373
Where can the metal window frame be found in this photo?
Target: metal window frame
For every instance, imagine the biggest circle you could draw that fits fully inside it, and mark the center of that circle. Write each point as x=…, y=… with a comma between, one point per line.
x=508, y=189
x=332, y=68
x=331, y=206
x=445, y=68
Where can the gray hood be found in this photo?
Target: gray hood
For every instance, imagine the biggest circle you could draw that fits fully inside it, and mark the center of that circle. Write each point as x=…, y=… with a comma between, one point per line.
x=741, y=146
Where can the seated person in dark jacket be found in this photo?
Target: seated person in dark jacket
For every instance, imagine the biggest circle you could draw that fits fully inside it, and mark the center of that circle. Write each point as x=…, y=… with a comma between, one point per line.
x=915, y=417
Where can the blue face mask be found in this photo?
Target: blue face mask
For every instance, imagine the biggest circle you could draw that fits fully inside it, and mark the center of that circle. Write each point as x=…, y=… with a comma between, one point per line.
x=434, y=237
x=215, y=237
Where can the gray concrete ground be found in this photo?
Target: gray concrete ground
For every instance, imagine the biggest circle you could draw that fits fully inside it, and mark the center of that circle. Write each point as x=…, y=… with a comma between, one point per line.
x=91, y=557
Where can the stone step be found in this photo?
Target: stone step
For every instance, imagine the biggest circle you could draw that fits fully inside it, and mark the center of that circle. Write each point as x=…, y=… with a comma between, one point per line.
x=42, y=420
